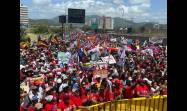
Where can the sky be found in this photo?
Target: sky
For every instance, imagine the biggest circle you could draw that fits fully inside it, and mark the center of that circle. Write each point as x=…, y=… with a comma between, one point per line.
x=138, y=10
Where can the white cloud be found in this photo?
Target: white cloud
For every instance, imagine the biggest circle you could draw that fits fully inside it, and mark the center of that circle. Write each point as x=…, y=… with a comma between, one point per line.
x=139, y=1
x=41, y=2
x=139, y=9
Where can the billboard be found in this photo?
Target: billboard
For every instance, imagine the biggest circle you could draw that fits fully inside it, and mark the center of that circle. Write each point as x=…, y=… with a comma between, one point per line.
x=62, y=19
x=76, y=15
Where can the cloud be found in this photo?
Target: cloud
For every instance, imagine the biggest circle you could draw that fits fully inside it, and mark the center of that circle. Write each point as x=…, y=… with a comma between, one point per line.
x=41, y=2
x=139, y=1
x=114, y=8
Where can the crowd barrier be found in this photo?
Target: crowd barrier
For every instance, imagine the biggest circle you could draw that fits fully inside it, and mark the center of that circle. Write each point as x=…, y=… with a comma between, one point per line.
x=158, y=103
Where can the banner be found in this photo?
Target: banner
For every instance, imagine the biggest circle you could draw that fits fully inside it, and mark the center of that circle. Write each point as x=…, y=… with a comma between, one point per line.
x=24, y=87
x=109, y=59
x=113, y=40
x=102, y=72
x=91, y=38
x=156, y=40
x=62, y=58
x=38, y=80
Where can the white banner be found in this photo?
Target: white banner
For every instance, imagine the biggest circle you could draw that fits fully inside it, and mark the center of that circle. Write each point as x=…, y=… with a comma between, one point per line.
x=109, y=59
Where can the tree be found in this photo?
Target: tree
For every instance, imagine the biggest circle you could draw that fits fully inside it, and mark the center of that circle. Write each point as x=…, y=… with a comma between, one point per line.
x=41, y=29
x=142, y=29
x=54, y=30
x=86, y=28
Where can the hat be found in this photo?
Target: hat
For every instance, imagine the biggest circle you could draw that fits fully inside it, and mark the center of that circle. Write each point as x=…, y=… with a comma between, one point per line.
x=64, y=76
x=34, y=98
x=74, y=89
x=97, y=76
x=78, y=72
x=92, y=83
x=110, y=78
x=33, y=87
x=130, y=78
x=49, y=98
x=62, y=87
x=58, y=73
x=59, y=80
x=38, y=106
x=21, y=67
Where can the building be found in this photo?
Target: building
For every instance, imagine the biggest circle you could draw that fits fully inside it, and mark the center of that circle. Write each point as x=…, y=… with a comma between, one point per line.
x=109, y=23
x=24, y=20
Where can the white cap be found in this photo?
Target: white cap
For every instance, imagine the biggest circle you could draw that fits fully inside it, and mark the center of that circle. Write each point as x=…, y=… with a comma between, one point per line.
x=92, y=83
x=64, y=76
x=62, y=87
x=59, y=80
x=21, y=67
x=49, y=97
x=58, y=73
x=130, y=78
x=110, y=78
x=97, y=76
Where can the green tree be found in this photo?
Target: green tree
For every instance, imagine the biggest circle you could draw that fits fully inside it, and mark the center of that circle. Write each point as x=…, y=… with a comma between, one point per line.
x=86, y=28
x=54, y=30
x=41, y=29
x=142, y=29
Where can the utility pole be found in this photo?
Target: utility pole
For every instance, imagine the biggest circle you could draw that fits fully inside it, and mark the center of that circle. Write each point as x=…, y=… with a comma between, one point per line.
x=104, y=24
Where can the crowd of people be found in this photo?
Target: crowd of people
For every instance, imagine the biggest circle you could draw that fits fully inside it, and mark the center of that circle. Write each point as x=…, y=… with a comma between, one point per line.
x=140, y=70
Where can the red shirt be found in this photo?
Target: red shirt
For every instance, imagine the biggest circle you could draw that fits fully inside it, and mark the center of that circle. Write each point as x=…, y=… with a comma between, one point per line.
x=77, y=100
x=117, y=92
x=142, y=89
x=21, y=108
x=49, y=107
x=108, y=95
x=65, y=107
x=83, y=98
x=31, y=108
x=128, y=93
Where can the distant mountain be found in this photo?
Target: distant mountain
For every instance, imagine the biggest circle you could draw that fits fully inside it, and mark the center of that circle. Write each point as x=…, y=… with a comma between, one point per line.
x=118, y=22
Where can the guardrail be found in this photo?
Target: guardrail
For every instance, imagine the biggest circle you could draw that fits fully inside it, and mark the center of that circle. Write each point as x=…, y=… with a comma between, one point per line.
x=158, y=103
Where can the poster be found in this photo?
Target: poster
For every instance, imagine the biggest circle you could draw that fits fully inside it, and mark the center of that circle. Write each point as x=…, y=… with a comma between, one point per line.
x=63, y=58
x=109, y=59
x=102, y=72
x=38, y=80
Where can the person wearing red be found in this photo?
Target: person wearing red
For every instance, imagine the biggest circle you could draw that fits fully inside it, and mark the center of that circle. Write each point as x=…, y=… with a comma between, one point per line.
x=108, y=94
x=65, y=105
x=50, y=105
x=128, y=93
x=141, y=89
x=76, y=98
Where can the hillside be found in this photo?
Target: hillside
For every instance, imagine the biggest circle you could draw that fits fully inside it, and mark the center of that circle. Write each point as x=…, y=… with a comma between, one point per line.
x=118, y=22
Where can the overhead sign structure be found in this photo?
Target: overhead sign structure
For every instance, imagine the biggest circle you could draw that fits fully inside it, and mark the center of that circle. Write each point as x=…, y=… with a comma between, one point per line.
x=62, y=19
x=76, y=15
